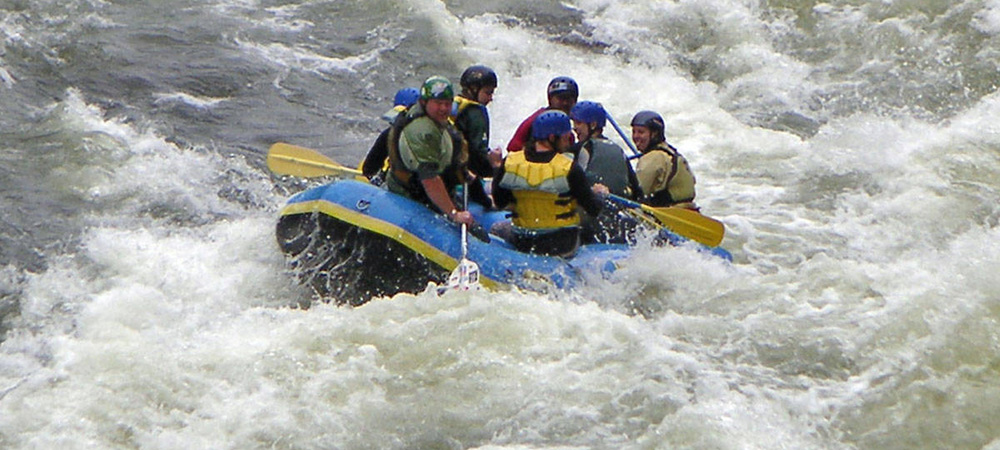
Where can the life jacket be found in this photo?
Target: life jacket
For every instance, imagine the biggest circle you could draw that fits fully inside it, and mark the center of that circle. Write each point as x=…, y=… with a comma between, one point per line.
x=608, y=166
x=680, y=181
x=478, y=146
x=459, y=105
x=391, y=115
x=541, y=192
x=408, y=180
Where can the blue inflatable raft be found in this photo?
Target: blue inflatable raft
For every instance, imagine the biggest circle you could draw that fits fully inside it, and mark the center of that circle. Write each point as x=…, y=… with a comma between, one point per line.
x=351, y=241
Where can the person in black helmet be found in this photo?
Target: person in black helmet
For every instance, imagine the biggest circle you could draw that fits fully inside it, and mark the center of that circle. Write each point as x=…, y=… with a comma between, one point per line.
x=664, y=174
x=562, y=94
x=473, y=120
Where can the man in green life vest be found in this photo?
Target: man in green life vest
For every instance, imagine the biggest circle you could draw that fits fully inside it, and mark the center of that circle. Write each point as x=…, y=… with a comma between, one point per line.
x=427, y=155
x=543, y=187
x=604, y=161
x=664, y=174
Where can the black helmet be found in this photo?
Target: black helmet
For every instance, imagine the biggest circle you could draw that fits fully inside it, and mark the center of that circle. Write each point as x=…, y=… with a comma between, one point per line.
x=476, y=77
x=563, y=85
x=649, y=119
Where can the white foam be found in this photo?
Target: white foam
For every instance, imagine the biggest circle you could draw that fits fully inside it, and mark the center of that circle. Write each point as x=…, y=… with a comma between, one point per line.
x=184, y=98
x=5, y=76
x=302, y=58
x=864, y=282
x=987, y=19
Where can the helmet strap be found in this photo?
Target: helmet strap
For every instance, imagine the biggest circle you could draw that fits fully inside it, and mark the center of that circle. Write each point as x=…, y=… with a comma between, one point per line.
x=553, y=142
x=656, y=138
x=546, y=143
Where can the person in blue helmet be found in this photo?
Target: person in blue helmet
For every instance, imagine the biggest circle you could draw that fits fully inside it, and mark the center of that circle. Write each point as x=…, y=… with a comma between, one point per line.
x=562, y=93
x=543, y=188
x=604, y=161
x=376, y=159
x=609, y=172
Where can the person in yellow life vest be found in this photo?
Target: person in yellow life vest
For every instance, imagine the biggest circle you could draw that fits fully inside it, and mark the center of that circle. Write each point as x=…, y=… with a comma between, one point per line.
x=664, y=174
x=473, y=120
x=427, y=155
x=543, y=187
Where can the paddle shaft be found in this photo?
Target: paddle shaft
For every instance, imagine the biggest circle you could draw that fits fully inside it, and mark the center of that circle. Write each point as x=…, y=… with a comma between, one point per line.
x=684, y=222
x=288, y=159
x=465, y=228
x=628, y=142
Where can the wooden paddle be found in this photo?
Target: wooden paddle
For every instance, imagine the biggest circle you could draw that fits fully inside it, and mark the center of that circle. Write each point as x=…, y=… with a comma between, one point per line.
x=288, y=159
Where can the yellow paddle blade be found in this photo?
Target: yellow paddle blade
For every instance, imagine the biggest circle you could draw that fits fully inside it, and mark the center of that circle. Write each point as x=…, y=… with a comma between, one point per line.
x=690, y=224
x=288, y=159
x=683, y=222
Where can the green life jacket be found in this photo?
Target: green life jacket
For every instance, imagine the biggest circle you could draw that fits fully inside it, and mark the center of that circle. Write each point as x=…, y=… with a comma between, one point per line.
x=405, y=181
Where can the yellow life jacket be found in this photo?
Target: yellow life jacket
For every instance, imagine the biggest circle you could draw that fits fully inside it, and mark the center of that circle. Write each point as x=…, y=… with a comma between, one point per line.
x=459, y=105
x=541, y=192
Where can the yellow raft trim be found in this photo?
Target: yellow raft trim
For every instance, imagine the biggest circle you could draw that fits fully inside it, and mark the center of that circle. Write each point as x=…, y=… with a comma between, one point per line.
x=384, y=228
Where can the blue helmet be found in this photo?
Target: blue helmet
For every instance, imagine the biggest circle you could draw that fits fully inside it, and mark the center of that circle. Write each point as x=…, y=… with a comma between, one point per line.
x=589, y=112
x=550, y=122
x=406, y=97
x=563, y=85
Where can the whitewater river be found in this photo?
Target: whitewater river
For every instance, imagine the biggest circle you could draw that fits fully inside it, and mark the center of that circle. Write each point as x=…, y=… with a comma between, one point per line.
x=851, y=147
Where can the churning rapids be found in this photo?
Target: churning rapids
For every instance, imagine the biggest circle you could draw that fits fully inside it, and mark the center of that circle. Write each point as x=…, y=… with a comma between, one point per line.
x=850, y=146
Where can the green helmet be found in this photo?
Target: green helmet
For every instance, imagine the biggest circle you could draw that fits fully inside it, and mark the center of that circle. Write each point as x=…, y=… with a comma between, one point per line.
x=437, y=87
